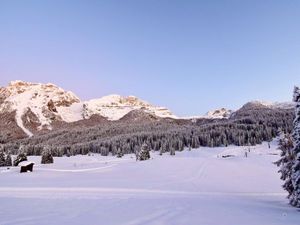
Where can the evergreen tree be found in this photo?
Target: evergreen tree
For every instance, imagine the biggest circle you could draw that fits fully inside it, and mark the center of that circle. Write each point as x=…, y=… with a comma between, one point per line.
x=195, y=142
x=286, y=162
x=161, y=151
x=295, y=196
x=8, y=160
x=120, y=153
x=144, y=153
x=172, y=151
x=47, y=157
x=2, y=159
x=20, y=158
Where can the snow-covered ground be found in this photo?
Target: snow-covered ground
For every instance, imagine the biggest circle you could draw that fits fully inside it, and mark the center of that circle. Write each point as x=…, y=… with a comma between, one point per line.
x=197, y=187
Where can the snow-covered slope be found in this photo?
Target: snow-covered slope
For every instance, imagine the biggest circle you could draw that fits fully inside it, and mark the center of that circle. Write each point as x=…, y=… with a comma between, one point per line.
x=223, y=113
x=198, y=187
x=40, y=99
x=112, y=107
x=219, y=114
x=280, y=105
x=45, y=103
x=115, y=107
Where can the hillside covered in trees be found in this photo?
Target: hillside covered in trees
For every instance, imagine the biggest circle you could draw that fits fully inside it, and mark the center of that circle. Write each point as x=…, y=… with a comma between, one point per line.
x=250, y=125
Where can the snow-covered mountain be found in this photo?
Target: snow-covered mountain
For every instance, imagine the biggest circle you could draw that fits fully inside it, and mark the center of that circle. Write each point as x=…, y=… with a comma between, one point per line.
x=34, y=102
x=26, y=108
x=219, y=114
x=224, y=113
x=113, y=107
x=280, y=105
x=42, y=104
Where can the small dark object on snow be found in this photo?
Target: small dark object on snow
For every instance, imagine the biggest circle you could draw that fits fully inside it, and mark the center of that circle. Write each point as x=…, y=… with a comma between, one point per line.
x=227, y=156
x=26, y=166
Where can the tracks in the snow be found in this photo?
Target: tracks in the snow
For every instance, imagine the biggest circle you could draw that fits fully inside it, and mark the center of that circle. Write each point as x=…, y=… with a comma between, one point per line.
x=98, y=193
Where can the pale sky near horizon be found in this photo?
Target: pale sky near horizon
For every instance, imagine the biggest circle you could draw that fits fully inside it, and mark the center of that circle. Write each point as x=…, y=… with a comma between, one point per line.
x=190, y=56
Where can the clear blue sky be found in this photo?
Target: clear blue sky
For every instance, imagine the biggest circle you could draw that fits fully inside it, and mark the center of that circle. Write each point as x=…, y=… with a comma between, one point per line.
x=190, y=56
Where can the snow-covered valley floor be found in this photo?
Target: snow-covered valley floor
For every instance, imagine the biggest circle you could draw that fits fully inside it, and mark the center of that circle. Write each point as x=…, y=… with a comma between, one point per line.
x=197, y=187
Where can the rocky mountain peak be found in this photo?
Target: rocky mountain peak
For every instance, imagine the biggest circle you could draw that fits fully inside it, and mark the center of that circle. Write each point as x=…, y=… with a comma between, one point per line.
x=35, y=99
x=114, y=107
x=221, y=113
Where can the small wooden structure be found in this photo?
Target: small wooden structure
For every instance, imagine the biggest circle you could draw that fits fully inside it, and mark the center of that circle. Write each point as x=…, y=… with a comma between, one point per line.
x=26, y=166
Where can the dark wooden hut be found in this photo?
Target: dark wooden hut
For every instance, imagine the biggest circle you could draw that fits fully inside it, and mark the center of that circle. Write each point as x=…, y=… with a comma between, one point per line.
x=26, y=166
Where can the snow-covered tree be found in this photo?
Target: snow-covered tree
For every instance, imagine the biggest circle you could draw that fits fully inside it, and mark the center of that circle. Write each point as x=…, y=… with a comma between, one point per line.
x=295, y=196
x=22, y=156
x=172, y=151
x=8, y=160
x=161, y=152
x=47, y=157
x=144, y=153
x=120, y=153
x=286, y=162
x=195, y=142
x=2, y=158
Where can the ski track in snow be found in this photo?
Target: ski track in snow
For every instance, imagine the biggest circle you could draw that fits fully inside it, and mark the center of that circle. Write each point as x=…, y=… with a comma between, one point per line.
x=77, y=170
x=27, y=220
x=98, y=193
x=161, y=215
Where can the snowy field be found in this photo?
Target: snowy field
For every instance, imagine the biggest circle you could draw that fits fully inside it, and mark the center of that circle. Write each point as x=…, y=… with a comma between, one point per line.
x=197, y=187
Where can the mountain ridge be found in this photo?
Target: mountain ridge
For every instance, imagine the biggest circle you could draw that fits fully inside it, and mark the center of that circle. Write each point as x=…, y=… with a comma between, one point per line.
x=39, y=107
x=44, y=104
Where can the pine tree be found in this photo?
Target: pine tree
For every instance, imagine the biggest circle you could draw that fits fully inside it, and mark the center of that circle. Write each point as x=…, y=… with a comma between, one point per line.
x=22, y=156
x=47, y=157
x=295, y=196
x=144, y=153
x=195, y=142
x=161, y=151
x=120, y=153
x=8, y=160
x=286, y=162
x=172, y=151
x=181, y=145
x=2, y=159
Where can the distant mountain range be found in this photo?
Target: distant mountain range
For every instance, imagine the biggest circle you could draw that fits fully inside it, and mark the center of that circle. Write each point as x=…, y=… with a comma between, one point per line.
x=28, y=108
